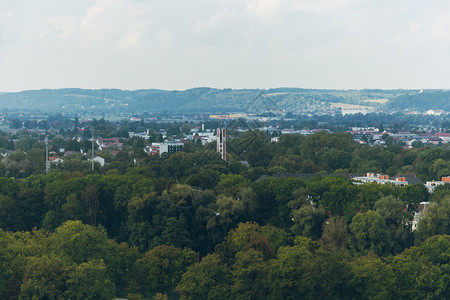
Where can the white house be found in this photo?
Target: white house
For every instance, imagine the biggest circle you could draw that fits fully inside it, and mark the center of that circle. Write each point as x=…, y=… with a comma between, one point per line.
x=99, y=160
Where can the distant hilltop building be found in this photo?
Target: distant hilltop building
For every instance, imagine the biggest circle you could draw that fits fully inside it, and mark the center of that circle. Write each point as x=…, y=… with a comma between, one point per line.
x=353, y=111
x=222, y=143
x=229, y=116
x=435, y=112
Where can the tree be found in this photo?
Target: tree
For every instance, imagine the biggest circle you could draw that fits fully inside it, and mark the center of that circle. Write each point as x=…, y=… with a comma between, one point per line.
x=435, y=221
x=162, y=267
x=58, y=142
x=326, y=276
x=76, y=123
x=308, y=221
x=86, y=146
x=160, y=296
x=90, y=196
x=373, y=279
x=24, y=143
x=10, y=214
x=5, y=143
x=440, y=192
x=334, y=234
x=176, y=232
x=250, y=280
x=72, y=145
x=31, y=203
x=78, y=242
x=16, y=124
x=90, y=280
x=439, y=168
x=208, y=279
x=50, y=277
x=185, y=128
x=422, y=271
x=368, y=232
x=11, y=267
x=36, y=160
x=228, y=213
x=43, y=124
x=230, y=184
x=75, y=209
x=173, y=131
x=250, y=235
x=413, y=194
x=44, y=278
x=417, y=144
x=390, y=141
x=205, y=178
x=398, y=221
x=30, y=124
x=335, y=193
x=274, y=196
x=75, y=162
x=286, y=271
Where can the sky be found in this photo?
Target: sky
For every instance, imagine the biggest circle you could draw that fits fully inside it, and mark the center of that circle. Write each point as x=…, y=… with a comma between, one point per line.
x=176, y=45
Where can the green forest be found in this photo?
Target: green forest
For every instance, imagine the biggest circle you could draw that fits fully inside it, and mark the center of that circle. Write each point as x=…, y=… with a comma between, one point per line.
x=204, y=99
x=288, y=223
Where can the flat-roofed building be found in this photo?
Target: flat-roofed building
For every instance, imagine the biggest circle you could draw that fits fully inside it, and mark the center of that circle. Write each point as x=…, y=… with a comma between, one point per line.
x=431, y=185
x=160, y=148
x=385, y=179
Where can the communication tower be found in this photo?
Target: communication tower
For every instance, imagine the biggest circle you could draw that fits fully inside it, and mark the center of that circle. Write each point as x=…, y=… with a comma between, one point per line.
x=47, y=162
x=222, y=143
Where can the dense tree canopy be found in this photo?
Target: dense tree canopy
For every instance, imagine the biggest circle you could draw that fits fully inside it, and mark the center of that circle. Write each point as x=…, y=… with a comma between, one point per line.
x=287, y=225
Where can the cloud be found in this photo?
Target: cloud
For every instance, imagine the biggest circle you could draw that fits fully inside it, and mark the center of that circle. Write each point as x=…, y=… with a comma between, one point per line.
x=63, y=26
x=264, y=8
x=321, y=6
x=132, y=38
x=96, y=24
x=441, y=26
x=234, y=43
x=165, y=37
x=9, y=15
x=268, y=9
x=213, y=22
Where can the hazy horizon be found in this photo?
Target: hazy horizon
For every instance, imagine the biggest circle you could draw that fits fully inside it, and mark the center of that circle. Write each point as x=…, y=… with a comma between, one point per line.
x=208, y=87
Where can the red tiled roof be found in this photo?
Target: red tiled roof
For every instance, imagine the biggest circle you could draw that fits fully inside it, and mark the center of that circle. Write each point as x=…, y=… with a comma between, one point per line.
x=442, y=134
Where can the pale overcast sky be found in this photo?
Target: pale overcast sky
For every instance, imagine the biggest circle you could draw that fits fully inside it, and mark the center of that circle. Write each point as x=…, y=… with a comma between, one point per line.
x=168, y=44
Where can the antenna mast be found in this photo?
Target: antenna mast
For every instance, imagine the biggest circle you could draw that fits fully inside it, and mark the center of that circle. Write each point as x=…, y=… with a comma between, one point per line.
x=47, y=162
x=92, y=150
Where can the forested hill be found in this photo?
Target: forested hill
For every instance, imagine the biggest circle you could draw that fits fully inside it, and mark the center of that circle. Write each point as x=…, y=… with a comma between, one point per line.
x=219, y=100
x=436, y=99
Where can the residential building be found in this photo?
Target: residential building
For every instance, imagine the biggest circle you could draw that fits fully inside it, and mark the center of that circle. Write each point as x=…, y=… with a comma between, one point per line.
x=107, y=142
x=419, y=214
x=431, y=185
x=171, y=147
x=99, y=160
x=400, y=180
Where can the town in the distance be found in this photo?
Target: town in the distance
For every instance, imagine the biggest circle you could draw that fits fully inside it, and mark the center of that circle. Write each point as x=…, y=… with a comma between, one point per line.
x=225, y=194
